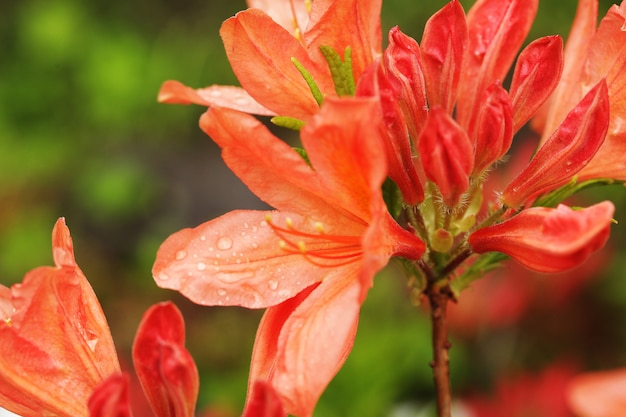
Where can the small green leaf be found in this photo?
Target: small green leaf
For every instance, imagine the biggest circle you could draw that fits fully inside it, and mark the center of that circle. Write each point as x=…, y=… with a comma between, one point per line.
x=315, y=90
x=555, y=197
x=485, y=263
x=288, y=122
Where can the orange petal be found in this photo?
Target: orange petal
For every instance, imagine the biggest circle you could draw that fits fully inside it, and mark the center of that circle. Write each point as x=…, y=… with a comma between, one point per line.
x=313, y=338
x=166, y=370
x=236, y=259
x=173, y=92
x=111, y=398
x=570, y=90
x=447, y=155
x=568, y=150
x=260, y=53
x=599, y=394
x=496, y=32
x=548, y=240
x=346, y=23
x=263, y=402
x=536, y=75
x=443, y=47
x=56, y=344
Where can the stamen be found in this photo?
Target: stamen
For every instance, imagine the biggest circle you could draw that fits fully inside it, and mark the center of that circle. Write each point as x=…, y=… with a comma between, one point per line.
x=318, y=248
x=307, y=4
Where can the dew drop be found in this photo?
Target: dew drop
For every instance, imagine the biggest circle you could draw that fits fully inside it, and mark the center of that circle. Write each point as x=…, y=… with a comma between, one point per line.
x=273, y=284
x=203, y=238
x=181, y=254
x=201, y=266
x=164, y=277
x=224, y=243
x=221, y=292
x=255, y=245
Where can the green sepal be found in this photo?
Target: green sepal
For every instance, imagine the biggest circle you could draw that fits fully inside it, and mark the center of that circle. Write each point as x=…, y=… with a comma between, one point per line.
x=288, y=122
x=302, y=152
x=485, y=263
x=392, y=197
x=555, y=197
x=340, y=70
x=315, y=90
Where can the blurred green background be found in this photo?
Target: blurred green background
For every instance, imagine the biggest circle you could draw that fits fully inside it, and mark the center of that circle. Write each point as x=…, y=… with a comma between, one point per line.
x=81, y=136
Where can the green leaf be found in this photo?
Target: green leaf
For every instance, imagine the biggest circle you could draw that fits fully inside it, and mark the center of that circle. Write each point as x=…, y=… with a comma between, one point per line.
x=555, y=197
x=485, y=263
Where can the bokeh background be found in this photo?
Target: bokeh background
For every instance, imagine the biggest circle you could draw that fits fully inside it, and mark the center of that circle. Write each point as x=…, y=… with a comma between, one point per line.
x=82, y=136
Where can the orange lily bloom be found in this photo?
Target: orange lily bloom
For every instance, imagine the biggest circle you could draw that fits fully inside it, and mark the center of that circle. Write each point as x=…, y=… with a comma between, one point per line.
x=313, y=260
x=591, y=55
x=263, y=42
x=57, y=356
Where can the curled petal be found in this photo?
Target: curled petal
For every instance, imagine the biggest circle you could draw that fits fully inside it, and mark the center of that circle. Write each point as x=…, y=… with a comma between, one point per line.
x=236, y=98
x=56, y=344
x=548, y=240
x=567, y=151
x=598, y=394
x=166, y=370
x=302, y=343
x=447, y=155
x=404, y=71
x=536, y=75
x=443, y=46
x=111, y=398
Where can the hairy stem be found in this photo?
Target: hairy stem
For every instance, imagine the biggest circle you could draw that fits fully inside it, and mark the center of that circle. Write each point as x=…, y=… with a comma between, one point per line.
x=438, y=297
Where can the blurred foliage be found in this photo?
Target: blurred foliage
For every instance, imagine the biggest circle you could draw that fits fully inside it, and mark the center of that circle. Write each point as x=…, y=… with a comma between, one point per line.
x=81, y=136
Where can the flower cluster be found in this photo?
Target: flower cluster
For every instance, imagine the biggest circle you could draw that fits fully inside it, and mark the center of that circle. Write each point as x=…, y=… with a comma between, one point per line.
x=400, y=158
x=436, y=118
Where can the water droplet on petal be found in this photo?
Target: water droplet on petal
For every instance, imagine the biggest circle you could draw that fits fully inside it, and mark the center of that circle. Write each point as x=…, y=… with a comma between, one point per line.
x=181, y=254
x=224, y=243
x=201, y=266
x=163, y=277
x=273, y=284
x=203, y=238
x=221, y=292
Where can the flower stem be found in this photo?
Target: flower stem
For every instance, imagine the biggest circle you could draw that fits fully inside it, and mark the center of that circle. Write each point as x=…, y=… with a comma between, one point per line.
x=438, y=297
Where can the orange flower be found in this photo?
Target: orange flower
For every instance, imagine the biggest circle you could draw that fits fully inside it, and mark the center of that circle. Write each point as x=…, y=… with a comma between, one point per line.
x=265, y=46
x=592, y=55
x=56, y=344
x=57, y=356
x=311, y=261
